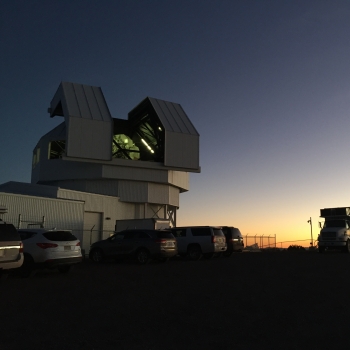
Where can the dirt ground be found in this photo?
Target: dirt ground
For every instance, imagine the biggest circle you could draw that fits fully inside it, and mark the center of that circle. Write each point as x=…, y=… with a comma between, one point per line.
x=278, y=300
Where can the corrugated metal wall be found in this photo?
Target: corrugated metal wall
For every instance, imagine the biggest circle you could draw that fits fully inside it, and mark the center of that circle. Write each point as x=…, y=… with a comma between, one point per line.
x=163, y=194
x=134, y=173
x=58, y=213
x=133, y=191
x=179, y=179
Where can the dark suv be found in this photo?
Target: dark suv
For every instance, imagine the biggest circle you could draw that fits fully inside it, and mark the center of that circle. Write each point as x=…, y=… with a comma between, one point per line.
x=234, y=240
x=142, y=245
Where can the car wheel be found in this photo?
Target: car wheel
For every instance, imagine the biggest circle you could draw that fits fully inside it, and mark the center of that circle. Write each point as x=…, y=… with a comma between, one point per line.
x=97, y=255
x=321, y=249
x=27, y=267
x=64, y=269
x=142, y=256
x=208, y=255
x=194, y=252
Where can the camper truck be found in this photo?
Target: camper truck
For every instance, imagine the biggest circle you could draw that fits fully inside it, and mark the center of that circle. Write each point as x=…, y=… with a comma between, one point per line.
x=335, y=231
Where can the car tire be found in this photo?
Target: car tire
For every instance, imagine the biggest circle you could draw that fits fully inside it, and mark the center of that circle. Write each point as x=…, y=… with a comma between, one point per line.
x=194, y=252
x=64, y=269
x=142, y=256
x=97, y=255
x=27, y=267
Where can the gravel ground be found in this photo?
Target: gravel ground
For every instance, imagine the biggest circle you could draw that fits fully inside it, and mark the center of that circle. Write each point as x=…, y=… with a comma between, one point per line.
x=279, y=300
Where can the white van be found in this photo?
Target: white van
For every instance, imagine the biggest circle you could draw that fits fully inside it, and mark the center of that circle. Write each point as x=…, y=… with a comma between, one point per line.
x=195, y=241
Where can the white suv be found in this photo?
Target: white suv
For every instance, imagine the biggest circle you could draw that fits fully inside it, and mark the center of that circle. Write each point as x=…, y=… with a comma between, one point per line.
x=49, y=249
x=196, y=241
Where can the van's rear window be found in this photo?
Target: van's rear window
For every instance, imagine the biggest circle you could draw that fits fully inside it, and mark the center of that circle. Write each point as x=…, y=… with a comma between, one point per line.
x=59, y=236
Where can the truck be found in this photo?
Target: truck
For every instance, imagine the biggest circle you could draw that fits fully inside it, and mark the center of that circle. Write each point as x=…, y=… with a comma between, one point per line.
x=335, y=231
x=146, y=224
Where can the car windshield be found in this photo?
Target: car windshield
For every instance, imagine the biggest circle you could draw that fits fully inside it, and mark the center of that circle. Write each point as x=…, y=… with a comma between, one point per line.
x=60, y=236
x=218, y=232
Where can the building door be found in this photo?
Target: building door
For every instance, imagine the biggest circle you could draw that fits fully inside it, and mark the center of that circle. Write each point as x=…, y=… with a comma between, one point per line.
x=92, y=229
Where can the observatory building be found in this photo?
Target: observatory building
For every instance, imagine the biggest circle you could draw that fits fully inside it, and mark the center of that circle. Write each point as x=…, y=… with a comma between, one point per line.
x=107, y=168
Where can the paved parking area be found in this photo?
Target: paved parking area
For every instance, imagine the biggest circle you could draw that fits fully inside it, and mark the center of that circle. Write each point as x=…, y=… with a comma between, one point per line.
x=248, y=301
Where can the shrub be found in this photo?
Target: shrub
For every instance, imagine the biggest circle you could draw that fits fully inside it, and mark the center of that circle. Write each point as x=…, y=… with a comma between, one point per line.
x=295, y=247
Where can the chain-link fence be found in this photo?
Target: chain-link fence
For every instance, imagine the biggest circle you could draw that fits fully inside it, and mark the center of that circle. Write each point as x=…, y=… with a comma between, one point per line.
x=262, y=241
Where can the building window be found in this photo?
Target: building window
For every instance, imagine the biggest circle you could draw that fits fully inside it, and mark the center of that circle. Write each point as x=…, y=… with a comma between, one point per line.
x=56, y=149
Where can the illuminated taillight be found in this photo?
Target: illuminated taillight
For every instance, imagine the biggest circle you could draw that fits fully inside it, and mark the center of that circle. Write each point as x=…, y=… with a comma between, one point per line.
x=21, y=248
x=47, y=245
x=78, y=244
x=161, y=241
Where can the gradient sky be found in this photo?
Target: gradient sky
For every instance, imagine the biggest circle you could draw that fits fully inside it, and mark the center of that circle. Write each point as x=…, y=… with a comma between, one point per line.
x=266, y=84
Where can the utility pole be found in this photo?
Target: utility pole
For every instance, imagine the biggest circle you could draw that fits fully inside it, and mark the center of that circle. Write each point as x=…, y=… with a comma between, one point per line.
x=312, y=239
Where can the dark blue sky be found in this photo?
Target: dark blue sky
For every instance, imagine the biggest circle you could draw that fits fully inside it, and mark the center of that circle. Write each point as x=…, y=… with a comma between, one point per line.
x=266, y=84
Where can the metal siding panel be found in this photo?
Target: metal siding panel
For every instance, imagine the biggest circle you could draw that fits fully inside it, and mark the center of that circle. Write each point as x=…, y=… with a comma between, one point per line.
x=73, y=142
x=71, y=100
x=179, y=179
x=174, y=196
x=181, y=150
x=137, y=174
x=178, y=118
x=92, y=103
x=104, y=187
x=61, y=170
x=130, y=191
x=82, y=101
x=29, y=189
x=158, y=193
x=58, y=213
x=185, y=119
x=101, y=103
x=173, y=117
x=89, y=139
x=160, y=108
